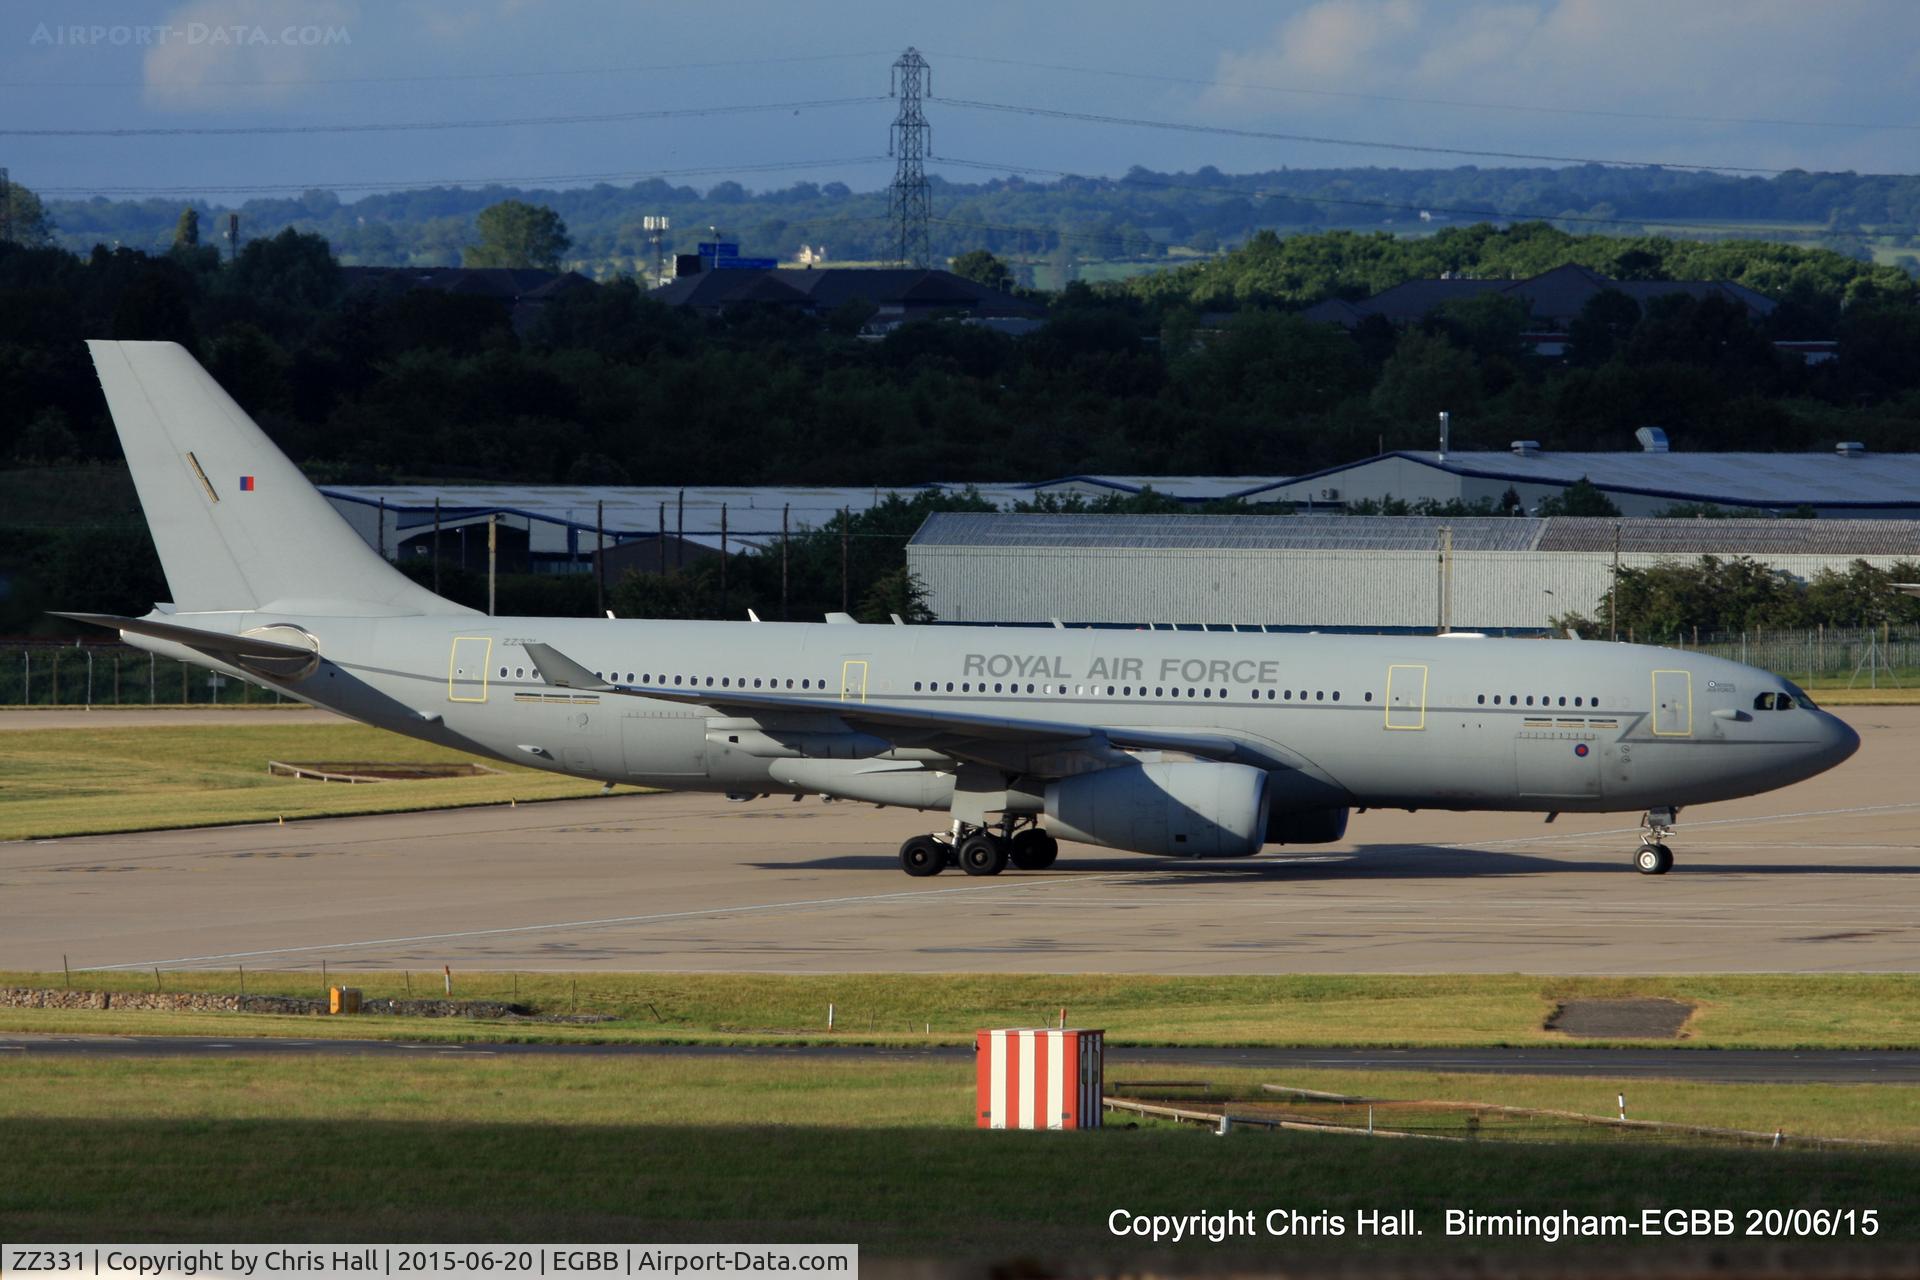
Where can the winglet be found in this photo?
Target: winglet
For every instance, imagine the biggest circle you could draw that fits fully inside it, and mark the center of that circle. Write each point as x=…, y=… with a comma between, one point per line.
x=562, y=672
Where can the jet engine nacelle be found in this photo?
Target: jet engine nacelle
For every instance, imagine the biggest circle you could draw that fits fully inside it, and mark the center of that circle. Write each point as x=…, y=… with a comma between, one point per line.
x=1185, y=810
x=1307, y=826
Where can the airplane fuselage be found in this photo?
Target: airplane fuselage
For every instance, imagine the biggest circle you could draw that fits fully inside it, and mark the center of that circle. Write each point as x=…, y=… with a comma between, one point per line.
x=1349, y=721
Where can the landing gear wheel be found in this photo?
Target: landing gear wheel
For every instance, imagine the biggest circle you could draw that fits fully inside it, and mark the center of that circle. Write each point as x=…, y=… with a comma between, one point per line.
x=1033, y=850
x=923, y=856
x=983, y=855
x=1653, y=860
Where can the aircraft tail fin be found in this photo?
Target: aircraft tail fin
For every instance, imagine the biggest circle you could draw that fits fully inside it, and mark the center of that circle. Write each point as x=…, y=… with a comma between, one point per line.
x=236, y=524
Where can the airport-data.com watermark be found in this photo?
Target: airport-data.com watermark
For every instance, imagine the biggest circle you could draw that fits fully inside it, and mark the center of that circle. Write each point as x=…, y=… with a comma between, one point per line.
x=211, y=35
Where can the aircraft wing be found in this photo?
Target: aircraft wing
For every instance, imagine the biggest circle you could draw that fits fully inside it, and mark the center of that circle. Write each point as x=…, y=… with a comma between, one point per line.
x=967, y=735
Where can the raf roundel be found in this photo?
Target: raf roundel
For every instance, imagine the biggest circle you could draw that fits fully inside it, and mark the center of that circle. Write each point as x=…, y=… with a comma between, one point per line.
x=1580, y=749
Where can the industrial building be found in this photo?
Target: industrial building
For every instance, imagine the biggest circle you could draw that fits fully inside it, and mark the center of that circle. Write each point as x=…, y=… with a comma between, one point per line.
x=559, y=528
x=1849, y=481
x=1334, y=572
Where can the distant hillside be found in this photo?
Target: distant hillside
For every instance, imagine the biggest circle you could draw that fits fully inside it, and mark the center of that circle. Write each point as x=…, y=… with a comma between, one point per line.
x=1052, y=227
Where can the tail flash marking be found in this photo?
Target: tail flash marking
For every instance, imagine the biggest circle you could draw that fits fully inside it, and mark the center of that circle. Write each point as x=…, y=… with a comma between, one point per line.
x=204, y=482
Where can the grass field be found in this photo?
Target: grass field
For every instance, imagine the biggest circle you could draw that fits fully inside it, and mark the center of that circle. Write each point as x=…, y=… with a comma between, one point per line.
x=881, y=1154
x=87, y=781
x=1732, y=1011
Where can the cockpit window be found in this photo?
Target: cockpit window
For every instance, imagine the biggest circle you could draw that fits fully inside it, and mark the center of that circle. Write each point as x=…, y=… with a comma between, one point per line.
x=1799, y=698
x=1763, y=702
x=1773, y=702
x=1785, y=703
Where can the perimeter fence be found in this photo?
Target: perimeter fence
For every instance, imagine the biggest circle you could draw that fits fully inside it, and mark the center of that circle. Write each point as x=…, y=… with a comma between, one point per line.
x=111, y=675
x=1869, y=656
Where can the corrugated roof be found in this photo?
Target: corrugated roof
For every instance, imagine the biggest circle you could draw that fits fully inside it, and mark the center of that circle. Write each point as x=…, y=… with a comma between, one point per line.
x=1735, y=537
x=1775, y=480
x=1421, y=533
x=1223, y=533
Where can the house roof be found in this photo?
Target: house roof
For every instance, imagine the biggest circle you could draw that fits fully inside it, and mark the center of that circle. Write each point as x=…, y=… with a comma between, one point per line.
x=823, y=289
x=505, y=283
x=1556, y=295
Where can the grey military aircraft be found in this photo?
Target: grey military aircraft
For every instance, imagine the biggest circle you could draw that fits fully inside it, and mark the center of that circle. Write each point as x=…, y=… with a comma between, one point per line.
x=1196, y=745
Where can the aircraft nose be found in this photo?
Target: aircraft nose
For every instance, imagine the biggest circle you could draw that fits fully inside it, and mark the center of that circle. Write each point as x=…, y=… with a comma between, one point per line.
x=1837, y=739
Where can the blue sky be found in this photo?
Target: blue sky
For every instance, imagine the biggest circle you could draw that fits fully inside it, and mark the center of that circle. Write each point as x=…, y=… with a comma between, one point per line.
x=1762, y=83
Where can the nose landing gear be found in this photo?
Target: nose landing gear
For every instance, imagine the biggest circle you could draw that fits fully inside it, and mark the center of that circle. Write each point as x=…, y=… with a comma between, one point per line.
x=1653, y=857
x=980, y=851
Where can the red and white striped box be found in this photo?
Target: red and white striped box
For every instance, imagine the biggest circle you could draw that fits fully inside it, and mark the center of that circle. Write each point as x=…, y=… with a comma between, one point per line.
x=1039, y=1078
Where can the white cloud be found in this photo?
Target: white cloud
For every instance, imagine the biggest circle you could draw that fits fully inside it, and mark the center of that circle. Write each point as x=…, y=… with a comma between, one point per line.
x=208, y=43
x=1755, y=59
x=1324, y=44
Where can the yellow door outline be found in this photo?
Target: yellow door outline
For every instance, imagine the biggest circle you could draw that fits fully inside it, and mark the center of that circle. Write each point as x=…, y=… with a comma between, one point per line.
x=456, y=669
x=1686, y=680
x=1419, y=721
x=852, y=688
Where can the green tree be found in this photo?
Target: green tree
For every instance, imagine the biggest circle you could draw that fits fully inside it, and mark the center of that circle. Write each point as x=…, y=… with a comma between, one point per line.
x=1424, y=375
x=292, y=269
x=514, y=233
x=186, y=232
x=898, y=593
x=27, y=222
x=1581, y=498
x=982, y=267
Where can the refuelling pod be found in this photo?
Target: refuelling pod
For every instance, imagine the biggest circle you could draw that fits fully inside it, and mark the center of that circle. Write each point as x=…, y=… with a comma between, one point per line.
x=906, y=784
x=1181, y=810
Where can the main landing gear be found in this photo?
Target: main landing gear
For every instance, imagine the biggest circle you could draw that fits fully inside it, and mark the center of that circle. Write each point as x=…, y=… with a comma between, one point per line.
x=1653, y=857
x=980, y=851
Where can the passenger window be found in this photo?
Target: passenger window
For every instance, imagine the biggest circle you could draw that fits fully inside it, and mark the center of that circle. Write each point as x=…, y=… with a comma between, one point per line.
x=1336, y=695
x=1483, y=699
x=1563, y=702
x=1576, y=702
x=1369, y=695
x=1529, y=699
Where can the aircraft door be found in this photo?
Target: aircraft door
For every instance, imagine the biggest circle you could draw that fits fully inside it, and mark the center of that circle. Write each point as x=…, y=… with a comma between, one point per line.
x=1406, y=697
x=467, y=668
x=1673, y=704
x=853, y=680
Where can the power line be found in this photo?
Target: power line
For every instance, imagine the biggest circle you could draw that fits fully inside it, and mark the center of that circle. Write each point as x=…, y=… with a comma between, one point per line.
x=1528, y=108
x=1265, y=135
x=638, y=175
x=424, y=79
x=1390, y=206
x=670, y=113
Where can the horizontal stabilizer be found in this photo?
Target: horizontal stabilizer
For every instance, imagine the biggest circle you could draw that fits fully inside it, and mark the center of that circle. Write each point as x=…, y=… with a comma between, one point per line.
x=219, y=644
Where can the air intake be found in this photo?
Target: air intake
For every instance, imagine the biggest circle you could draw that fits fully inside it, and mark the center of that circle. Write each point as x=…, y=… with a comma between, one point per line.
x=1652, y=439
x=1525, y=448
x=1850, y=449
